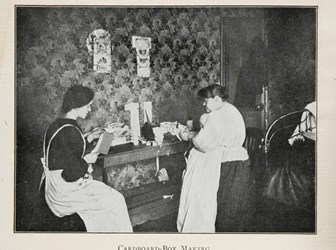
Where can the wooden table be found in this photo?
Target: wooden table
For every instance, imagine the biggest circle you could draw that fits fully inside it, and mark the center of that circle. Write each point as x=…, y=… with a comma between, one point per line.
x=129, y=153
x=147, y=202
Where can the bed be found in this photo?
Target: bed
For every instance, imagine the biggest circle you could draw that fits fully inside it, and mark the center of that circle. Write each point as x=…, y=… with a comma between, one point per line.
x=289, y=157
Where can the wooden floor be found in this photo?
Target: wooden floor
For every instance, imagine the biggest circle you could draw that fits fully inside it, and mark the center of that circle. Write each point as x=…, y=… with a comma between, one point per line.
x=165, y=224
x=152, y=201
x=271, y=220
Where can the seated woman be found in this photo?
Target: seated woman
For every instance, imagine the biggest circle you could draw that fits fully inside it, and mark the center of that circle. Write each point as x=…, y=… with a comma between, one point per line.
x=217, y=168
x=67, y=188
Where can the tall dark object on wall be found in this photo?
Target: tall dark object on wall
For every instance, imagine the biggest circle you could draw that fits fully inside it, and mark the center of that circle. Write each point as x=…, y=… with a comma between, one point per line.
x=244, y=66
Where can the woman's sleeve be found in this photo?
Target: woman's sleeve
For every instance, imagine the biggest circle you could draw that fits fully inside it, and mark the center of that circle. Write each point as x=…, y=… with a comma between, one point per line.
x=210, y=136
x=75, y=166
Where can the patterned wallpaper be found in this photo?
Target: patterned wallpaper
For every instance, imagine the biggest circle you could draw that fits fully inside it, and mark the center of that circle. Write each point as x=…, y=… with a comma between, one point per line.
x=52, y=55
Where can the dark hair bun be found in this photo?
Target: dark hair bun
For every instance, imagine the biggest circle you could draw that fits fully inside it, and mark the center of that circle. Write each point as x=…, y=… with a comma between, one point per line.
x=76, y=96
x=214, y=90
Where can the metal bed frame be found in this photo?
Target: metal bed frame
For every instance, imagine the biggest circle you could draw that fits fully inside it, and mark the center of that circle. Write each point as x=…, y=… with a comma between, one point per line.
x=273, y=130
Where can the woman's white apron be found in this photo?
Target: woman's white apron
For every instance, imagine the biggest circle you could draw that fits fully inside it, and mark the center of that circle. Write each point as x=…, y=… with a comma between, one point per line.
x=199, y=192
x=102, y=208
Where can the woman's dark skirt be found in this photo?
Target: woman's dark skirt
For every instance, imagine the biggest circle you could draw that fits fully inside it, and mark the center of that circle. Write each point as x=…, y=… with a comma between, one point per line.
x=235, y=197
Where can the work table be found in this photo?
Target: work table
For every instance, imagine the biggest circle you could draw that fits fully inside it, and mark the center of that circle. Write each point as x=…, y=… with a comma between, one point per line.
x=128, y=153
x=147, y=202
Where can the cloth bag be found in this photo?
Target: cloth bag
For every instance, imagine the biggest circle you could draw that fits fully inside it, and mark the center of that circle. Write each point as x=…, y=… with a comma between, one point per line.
x=290, y=185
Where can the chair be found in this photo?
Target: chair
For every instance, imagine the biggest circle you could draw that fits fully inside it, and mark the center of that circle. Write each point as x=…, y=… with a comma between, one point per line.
x=51, y=223
x=252, y=144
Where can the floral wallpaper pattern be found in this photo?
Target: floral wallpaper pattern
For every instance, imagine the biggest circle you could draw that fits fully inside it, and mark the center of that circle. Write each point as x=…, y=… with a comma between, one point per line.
x=132, y=175
x=52, y=55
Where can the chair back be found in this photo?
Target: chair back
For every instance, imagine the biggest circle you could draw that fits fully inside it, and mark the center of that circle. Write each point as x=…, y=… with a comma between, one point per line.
x=253, y=143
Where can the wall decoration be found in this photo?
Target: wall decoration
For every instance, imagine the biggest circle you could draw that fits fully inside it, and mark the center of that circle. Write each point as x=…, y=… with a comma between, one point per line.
x=135, y=120
x=142, y=45
x=99, y=45
x=148, y=115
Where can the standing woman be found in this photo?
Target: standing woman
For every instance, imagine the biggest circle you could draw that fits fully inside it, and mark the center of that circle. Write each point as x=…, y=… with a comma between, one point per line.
x=217, y=144
x=66, y=166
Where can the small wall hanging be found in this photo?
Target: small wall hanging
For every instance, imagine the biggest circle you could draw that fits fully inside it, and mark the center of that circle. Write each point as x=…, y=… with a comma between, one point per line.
x=142, y=45
x=99, y=45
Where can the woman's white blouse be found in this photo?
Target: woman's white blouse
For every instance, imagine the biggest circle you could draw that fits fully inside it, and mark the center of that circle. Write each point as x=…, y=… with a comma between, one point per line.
x=224, y=128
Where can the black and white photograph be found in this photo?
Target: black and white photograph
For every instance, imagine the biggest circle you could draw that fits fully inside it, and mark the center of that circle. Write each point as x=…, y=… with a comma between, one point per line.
x=166, y=119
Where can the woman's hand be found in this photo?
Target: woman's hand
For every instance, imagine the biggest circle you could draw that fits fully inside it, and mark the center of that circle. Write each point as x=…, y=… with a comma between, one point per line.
x=95, y=134
x=187, y=135
x=184, y=135
x=91, y=158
